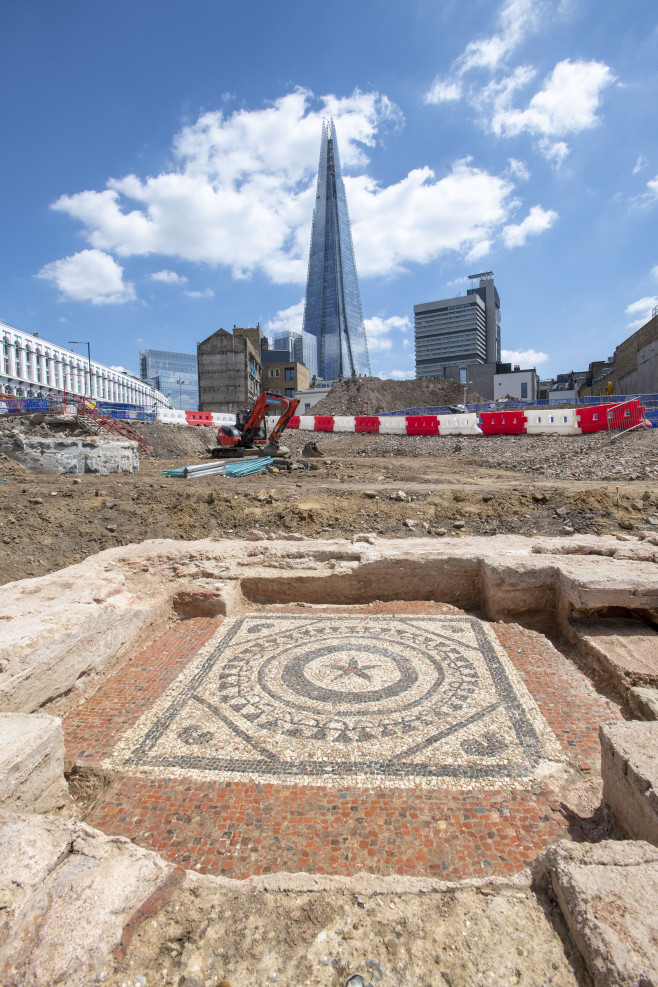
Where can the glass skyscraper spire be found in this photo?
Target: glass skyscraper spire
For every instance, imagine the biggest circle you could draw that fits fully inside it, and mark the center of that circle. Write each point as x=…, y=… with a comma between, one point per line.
x=332, y=311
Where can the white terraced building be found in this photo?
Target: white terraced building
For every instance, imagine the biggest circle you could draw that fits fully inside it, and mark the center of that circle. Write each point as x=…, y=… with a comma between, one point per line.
x=32, y=367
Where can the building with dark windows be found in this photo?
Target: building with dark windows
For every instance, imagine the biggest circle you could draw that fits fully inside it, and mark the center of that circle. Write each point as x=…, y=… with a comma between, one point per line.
x=175, y=374
x=458, y=332
x=332, y=310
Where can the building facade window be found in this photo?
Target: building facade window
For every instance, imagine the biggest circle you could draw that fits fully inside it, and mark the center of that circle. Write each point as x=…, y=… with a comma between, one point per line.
x=524, y=390
x=290, y=373
x=290, y=392
x=273, y=372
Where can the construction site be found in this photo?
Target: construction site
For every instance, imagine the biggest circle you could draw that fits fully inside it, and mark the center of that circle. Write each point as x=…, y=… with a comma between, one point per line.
x=377, y=707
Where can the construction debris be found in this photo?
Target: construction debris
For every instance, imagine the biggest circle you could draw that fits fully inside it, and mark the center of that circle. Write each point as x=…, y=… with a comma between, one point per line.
x=221, y=468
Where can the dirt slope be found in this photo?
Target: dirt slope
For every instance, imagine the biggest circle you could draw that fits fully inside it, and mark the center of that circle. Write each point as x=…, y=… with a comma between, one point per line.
x=370, y=395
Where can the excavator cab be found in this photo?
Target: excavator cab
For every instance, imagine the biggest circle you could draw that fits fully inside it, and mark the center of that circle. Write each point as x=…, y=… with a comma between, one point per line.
x=250, y=430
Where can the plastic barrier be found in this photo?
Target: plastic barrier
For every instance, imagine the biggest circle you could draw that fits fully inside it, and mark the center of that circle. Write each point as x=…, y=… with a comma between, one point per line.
x=222, y=418
x=390, y=425
x=562, y=421
x=307, y=423
x=367, y=423
x=459, y=425
x=171, y=416
x=423, y=425
x=502, y=422
x=343, y=423
x=324, y=423
x=198, y=417
x=593, y=419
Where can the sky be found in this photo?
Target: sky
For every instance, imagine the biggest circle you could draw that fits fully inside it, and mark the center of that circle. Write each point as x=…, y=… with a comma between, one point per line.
x=160, y=157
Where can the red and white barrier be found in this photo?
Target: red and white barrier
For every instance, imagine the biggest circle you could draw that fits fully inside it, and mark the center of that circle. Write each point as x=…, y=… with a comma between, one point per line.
x=172, y=416
x=533, y=421
x=385, y=425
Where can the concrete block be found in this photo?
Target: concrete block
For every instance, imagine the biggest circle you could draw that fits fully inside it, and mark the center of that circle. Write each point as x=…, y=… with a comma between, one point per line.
x=608, y=894
x=92, y=455
x=629, y=768
x=623, y=652
x=31, y=762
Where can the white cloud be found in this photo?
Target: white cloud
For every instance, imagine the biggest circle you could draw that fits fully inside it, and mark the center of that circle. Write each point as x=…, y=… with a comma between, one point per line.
x=537, y=220
x=443, y=92
x=650, y=196
x=642, y=308
x=478, y=251
x=169, y=277
x=243, y=191
x=89, y=276
x=289, y=319
x=419, y=218
x=568, y=102
x=516, y=20
x=518, y=170
x=641, y=163
x=524, y=358
x=398, y=375
x=208, y=293
x=654, y=271
x=378, y=331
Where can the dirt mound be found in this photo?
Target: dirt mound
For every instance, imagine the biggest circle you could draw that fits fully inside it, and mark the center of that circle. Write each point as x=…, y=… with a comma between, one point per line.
x=371, y=395
x=174, y=441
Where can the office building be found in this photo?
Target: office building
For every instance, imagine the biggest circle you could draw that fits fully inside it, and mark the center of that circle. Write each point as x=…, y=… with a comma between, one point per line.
x=175, y=374
x=284, y=377
x=332, y=310
x=229, y=370
x=33, y=367
x=458, y=332
x=301, y=346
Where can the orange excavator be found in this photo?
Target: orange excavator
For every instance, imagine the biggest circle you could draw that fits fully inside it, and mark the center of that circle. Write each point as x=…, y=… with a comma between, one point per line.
x=249, y=429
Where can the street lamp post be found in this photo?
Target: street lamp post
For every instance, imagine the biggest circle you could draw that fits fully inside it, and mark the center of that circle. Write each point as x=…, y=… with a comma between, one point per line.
x=180, y=383
x=467, y=384
x=84, y=342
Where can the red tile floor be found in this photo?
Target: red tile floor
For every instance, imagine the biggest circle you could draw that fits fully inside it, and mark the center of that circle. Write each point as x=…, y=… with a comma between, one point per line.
x=241, y=828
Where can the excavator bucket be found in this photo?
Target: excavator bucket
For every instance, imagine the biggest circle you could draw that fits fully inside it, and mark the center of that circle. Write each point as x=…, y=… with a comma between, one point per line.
x=312, y=451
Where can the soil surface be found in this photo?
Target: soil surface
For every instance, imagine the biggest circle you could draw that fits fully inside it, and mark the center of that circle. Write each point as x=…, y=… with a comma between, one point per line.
x=460, y=938
x=397, y=486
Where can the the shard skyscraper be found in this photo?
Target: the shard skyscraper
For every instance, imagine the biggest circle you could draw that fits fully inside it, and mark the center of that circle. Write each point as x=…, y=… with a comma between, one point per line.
x=332, y=311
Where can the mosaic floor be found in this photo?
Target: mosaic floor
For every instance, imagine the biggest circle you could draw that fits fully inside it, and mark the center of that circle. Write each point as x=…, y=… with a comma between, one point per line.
x=386, y=700
x=393, y=738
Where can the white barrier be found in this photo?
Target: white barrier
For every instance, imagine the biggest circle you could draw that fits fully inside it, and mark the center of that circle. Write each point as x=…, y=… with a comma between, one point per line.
x=547, y=421
x=392, y=425
x=342, y=423
x=459, y=424
x=170, y=416
x=307, y=422
x=223, y=418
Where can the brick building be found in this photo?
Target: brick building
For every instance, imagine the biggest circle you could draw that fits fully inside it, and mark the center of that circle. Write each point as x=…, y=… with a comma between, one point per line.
x=285, y=377
x=229, y=370
x=634, y=366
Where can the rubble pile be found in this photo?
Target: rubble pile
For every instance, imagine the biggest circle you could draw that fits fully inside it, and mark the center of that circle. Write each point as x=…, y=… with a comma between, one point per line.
x=372, y=396
x=551, y=457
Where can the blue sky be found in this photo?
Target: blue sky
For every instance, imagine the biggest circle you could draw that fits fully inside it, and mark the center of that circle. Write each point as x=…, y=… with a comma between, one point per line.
x=159, y=163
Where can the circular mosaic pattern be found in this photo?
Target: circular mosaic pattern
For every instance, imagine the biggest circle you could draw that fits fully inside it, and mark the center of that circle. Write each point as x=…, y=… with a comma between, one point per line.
x=345, y=700
x=346, y=684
